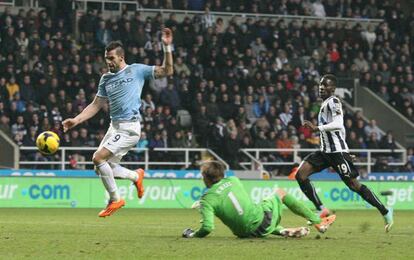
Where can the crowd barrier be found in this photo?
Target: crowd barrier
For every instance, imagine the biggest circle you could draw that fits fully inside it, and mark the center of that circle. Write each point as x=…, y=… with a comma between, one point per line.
x=181, y=193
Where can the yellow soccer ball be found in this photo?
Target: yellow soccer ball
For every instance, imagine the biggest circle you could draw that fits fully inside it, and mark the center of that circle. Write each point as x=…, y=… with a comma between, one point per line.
x=48, y=142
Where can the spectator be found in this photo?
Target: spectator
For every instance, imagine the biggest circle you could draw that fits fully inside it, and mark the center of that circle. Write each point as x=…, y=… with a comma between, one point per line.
x=156, y=142
x=388, y=142
x=361, y=63
x=217, y=134
x=286, y=116
x=383, y=93
x=165, y=138
x=190, y=141
x=180, y=68
x=74, y=138
x=261, y=141
x=142, y=144
x=20, y=104
x=373, y=128
x=27, y=90
x=12, y=87
x=169, y=97
x=360, y=129
x=373, y=141
x=18, y=138
x=178, y=140
x=19, y=127
x=147, y=102
x=207, y=19
x=84, y=138
x=369, y=36
x=352, y=141
x=212, y=108
x=231, y=150
x=227, y=109
x=4, y=125
x=283, y=142
x=30, y=140
x=261, y=107
x=249, y=107
x=103, y=35
x=257, y=46
x=318, y=9
x=201, y=126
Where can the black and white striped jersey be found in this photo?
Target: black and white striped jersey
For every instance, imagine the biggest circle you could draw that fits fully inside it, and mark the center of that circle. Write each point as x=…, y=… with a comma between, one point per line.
x=331, y=126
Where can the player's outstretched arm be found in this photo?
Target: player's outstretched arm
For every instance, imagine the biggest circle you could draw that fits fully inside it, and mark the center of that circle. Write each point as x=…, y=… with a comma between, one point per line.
x=207, y=213
x=336, y=124
x=87, y=113
x=167, y=66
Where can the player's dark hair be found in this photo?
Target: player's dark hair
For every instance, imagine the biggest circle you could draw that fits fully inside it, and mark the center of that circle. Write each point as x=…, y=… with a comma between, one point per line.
x=116, y=45
x=332, y=78
x=213, y=171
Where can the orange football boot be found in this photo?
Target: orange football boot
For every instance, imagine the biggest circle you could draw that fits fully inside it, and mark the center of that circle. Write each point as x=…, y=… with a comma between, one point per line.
x=324, y=213
x=325, y=223
x=139, y=184
x=111, y=208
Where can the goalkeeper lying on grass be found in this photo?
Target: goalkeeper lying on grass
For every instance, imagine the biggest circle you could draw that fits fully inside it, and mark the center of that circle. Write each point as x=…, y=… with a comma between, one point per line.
x=227, y=199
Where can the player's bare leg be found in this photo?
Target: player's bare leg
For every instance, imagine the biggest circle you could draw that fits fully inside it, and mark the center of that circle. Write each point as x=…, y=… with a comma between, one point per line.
x=104, y=170
x=372, y=199
x=302, y=177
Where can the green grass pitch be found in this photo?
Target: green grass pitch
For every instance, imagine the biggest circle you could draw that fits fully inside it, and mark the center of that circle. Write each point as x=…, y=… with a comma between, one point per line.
x=143, y=234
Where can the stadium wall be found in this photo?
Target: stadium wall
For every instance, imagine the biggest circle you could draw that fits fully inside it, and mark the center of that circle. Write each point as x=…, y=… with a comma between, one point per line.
x=9, y=152
x=37, y=192
x=387, y=117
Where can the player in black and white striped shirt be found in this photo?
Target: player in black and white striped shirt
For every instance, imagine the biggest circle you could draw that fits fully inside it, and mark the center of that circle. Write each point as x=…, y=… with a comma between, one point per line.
x=334, y=153
x=331, y=126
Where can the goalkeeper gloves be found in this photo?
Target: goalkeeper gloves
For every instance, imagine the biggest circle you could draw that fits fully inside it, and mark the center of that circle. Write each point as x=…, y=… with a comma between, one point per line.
x=196, y=205
x=188, y=233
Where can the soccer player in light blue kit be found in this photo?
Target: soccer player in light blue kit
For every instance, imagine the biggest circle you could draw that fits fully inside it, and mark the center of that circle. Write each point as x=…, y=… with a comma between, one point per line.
x=121, y=87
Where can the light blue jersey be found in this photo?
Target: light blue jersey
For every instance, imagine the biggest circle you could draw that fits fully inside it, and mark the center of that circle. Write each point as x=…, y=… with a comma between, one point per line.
x=123, y=90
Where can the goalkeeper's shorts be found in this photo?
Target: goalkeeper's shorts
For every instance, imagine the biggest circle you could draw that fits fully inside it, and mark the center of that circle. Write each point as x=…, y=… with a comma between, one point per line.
x=272, y=209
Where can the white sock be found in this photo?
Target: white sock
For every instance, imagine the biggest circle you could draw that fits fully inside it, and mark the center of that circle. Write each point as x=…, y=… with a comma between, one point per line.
x=123, y=173
x=107, y=177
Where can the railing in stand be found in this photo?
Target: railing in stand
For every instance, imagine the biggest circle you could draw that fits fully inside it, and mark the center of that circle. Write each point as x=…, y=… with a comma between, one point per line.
x=105, y=4
x=146, y=162
x=255, y=155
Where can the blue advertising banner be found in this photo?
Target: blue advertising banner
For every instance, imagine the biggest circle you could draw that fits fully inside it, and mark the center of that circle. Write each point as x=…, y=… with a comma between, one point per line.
x=327, y=175
x=195, y=174
x=391, y=176
x=173, y=174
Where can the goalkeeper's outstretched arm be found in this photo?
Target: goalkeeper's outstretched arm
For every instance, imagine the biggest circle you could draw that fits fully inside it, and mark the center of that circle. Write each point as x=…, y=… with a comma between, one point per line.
x=207, y=213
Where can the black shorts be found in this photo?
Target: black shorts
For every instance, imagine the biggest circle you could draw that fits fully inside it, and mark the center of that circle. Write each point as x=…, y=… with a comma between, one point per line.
x=340, y=162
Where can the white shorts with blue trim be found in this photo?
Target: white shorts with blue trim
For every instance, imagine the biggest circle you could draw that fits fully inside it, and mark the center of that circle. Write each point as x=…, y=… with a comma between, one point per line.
x=121, y=137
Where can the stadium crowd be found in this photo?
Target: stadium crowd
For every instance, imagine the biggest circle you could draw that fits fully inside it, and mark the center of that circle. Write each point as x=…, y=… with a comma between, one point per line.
x=245, y=85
